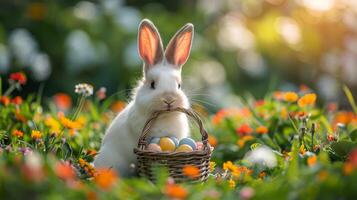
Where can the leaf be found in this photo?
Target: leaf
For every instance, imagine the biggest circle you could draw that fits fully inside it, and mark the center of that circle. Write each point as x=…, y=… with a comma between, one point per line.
x=353, y=135
x=350, y=98
x=342, y=148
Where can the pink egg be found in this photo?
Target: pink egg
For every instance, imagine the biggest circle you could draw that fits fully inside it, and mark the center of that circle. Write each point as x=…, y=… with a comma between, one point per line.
x=199, y=145
x=153, y=147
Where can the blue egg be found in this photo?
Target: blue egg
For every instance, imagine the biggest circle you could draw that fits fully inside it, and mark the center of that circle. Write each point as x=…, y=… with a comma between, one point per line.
x=154, y=140
x=188, y=141
x=175, y=140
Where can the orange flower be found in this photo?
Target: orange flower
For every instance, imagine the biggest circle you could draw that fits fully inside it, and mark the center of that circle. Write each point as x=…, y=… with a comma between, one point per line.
x=278, y=95
x=36, y=135
x=65, y=171
x=88, y=168
x=91, y=152
x=343, y=117
x=284, y=113
x=105, y=178
x=69, y=123
x=347, y=168
x=17, y=100
x=262, y=130
x=225, y=113
x=20, y=117
x=262, y=175
x=62, y=101
x=117, y=106
x=18, y=133
x=290, y=96
x=5, y=100
x=241, y=142
x=176, y=191
x=212, y=140
x=311, y=161
x=19, y=77
x=231, y=167
x=304, y=88
x=307, y=99
x=191, y=171
x=244, y=129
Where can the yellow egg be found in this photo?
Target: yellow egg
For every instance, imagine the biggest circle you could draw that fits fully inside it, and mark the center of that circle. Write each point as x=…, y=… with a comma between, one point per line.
x=167, y=144
x=153, y=147
x=184, y=148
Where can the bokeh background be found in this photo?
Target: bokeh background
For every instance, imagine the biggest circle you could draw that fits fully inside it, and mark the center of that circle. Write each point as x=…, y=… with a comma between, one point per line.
x=240, y=47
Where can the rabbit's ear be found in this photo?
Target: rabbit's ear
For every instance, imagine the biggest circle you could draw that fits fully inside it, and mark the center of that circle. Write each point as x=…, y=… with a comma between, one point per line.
x=179, y=47
x=149, y=43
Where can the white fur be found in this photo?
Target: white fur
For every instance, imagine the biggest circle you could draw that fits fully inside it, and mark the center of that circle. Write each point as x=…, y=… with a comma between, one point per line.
x=123, y=134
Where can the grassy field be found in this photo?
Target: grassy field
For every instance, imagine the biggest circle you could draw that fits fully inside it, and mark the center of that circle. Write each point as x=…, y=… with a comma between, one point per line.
x=281, y=147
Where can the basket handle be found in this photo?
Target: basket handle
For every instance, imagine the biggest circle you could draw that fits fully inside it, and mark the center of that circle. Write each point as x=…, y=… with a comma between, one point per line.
x=156, y=114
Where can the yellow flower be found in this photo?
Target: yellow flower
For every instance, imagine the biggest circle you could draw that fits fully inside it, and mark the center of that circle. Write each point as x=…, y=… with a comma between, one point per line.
x=302, y=150
x=212, y=166
x=232, y=183
x=232, y=168
x=284, y=113
x=36, y=135
x=241, y=142
x=18, y=133
x=307, y=99
x=53, y=124
x=70, y=124
x=262, y=130
x=290, y=96
x=191, y=171
x=311, y=161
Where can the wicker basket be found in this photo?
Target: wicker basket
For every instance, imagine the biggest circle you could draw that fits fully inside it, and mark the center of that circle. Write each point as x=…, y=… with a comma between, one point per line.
x=174, y=161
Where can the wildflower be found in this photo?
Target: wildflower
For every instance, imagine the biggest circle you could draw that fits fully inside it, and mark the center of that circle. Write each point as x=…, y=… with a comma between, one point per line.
x=84, y=89
x=105, y=178
x=62, y=101
x=5, y=100
x=117, y=106
x=343, y=117
x=307, y=99
x=262, y=174
x=18, y=133
x=347, y=168
x=284, y=113
x=191, y=171
x=212, y=166
x=260, y=102
x=70, y=124
x=20, y=117
x=278, y=95
x=36, y=135
x=175, y=191
x=331, y=138
x=232, y=183
x=262, y=130
x=91, y=152
x=244, y=129
x=101, y=93
x=311, y=161
x=17, y=100
x=212, y=140
x=65, y=171
x=241, y=142
x=229, y=166
x=246, y=193
x=225, y=113
x=302, y=150
x=88, y=168
x=290, y=96
x=53, y=124
x=18, y=77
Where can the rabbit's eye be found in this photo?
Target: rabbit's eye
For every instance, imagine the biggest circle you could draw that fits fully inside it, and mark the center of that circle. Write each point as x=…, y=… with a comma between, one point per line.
x=179, y=86
x=152, y=84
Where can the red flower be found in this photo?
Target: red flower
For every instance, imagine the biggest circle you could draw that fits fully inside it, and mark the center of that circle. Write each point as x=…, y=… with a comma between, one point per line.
x=331, y=138
x=244, y=129
x=352, y=158
x=17, y=100
x=19, y=77
x=5, y=100
x=63, y=101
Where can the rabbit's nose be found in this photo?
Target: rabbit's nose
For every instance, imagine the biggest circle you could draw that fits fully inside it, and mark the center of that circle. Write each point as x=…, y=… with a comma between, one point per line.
x=168, y=100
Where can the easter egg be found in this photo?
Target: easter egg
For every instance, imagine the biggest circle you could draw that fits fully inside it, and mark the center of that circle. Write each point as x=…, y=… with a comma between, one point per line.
x=153, y=147
x=184, y=148
x=167, y=144
x=199, y=145
x=175, y=140
x=154, y=140
x=188, y=141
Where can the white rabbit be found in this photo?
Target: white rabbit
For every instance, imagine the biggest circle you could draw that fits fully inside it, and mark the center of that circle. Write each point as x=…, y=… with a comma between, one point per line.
x=159, y=89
